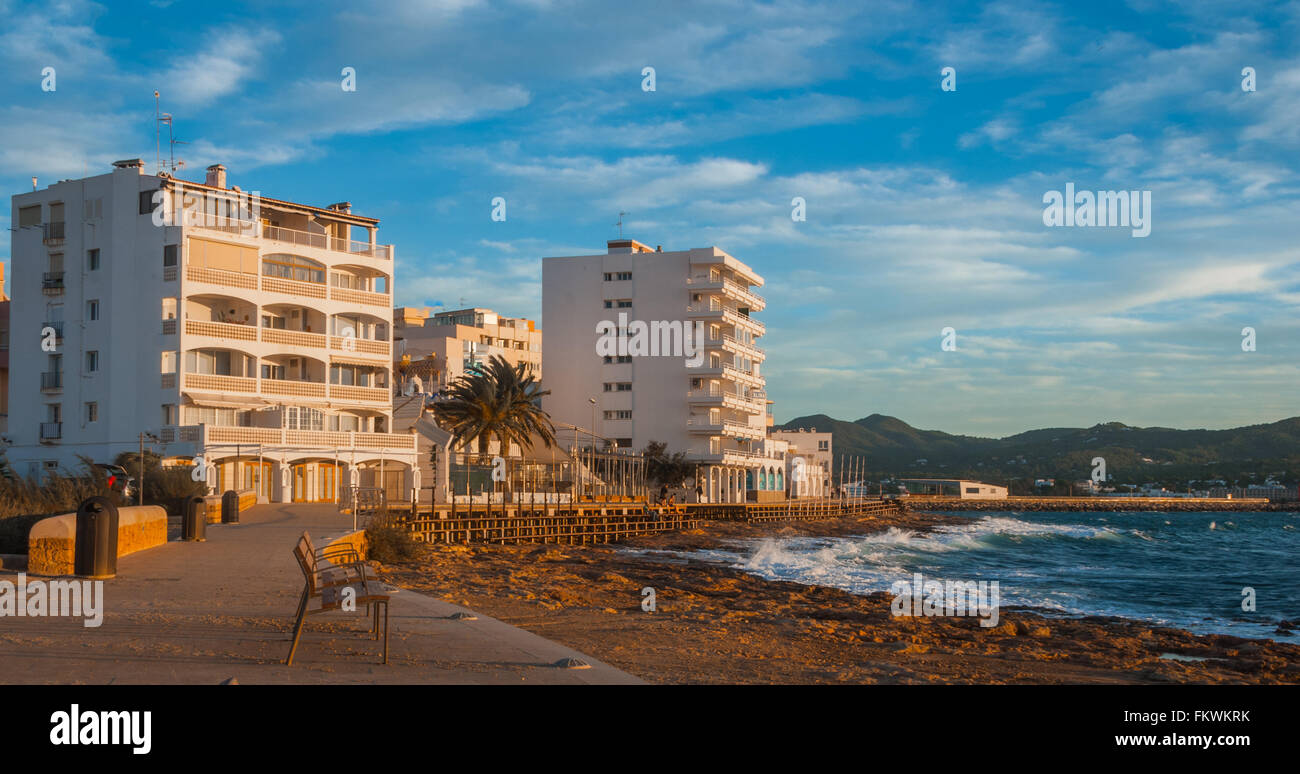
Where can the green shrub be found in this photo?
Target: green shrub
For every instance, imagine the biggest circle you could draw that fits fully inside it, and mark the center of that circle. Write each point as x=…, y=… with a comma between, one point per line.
x=388, y=541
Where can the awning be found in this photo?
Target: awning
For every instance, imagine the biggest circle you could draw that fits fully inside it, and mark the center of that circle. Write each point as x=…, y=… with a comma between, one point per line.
x=381, y=362
x=214, y=400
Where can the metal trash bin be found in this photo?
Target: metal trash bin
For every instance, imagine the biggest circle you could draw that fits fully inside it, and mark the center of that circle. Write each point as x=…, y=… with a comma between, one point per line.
x=194, y=522
x=230, y=507
x=94, y=553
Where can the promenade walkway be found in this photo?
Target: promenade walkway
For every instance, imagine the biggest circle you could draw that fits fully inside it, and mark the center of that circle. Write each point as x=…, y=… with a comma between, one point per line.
x=208, y=612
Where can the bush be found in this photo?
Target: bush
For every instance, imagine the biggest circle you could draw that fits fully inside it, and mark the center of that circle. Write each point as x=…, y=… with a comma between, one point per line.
x=388, y=541
x=25, y=501
x=169, y=487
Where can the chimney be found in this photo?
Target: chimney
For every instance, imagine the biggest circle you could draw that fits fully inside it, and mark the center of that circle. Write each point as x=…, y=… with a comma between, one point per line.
x=344, y=207
x=216, y=176
x=136, y=164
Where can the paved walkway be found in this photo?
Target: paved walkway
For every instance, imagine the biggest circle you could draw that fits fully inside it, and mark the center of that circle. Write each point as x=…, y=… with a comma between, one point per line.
x=207, y=612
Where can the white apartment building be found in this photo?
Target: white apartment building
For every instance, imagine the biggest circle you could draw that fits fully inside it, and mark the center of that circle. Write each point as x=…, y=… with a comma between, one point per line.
x=810, y=459
x=250, y=333
x=440, y=347
x=710, y=404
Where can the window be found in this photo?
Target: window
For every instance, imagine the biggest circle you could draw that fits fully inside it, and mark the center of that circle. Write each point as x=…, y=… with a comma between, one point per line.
x=94, y=209
x=823, y=446
x=972, y=490
x=619, y=303
x=169, y=255
x=617, y=276
x=92, y=260
x=294, y=267
x=146, y=201
x=618, y=358
x=29, y=216
x=623, y=443
x=301, y=418
x=92, y=412
x=92, y=361
x=618, y=415
x=169, y=362
x=169, y=413
x=273, y=372
x=618, y=386
x=92, y=309
x=54, y=412
x=169, y=309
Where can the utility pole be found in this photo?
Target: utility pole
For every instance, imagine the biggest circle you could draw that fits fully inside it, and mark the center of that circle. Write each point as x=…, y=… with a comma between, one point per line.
x=140, y=493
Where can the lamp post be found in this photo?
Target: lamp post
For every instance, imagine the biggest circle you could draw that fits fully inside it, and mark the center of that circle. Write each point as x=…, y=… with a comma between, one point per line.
x=591, y=468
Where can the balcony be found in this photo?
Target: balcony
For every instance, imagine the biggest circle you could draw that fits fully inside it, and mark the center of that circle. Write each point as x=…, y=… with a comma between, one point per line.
x=220, y=330
x=230, y=279
x=351, y=392
x=57, y=325
x=293, y=389
x=220, y=383
x=716, y=311
x=293, y=287
x=729, y=343
x=352, y=296
x=51, y=431
x=716, y=396
x=51, y=380
x=53, y=233
x=326, y=242
x=294, y=338
x=210, y=435
x=52, y=283
x=729, y=288
x=361, y=346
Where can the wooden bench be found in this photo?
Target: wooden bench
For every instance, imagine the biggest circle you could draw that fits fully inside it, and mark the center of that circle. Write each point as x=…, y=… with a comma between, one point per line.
x=334, y=576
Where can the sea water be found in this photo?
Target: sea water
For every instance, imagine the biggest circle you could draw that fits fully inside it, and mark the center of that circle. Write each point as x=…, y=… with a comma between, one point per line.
x=1186, y=570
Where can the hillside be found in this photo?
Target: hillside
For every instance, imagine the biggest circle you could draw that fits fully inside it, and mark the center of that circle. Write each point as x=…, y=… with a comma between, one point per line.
x=1132, y=454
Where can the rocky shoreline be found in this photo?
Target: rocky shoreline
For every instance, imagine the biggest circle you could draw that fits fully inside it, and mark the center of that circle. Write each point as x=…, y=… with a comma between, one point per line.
x=715, y=624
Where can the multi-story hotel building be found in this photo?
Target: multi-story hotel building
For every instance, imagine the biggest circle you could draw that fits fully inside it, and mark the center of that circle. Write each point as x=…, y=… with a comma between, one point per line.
x=711, y=405
x=440, y=347
x=250, y=333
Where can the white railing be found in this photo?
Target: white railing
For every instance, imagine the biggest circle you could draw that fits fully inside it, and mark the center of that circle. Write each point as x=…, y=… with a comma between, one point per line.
x=209, y=435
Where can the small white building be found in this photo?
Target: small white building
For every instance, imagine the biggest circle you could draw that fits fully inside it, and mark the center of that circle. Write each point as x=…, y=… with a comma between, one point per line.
x=950, y=487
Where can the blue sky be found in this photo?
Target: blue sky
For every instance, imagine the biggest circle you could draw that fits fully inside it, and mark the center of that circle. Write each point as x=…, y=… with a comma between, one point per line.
x=924, y=206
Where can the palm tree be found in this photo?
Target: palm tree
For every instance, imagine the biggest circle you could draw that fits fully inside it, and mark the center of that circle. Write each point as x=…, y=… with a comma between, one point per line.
x=500, y=402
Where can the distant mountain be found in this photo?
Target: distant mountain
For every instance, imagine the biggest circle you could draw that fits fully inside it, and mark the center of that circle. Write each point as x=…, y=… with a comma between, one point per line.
x=1133, y=454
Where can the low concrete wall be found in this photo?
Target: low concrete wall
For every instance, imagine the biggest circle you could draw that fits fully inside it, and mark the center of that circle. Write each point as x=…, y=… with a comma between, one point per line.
x=52, y=542
x=247, y=499
x=355, y=539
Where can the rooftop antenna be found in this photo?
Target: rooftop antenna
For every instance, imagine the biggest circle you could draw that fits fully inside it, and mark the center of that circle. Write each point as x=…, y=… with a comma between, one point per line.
x=620, y=224
x=160, y=119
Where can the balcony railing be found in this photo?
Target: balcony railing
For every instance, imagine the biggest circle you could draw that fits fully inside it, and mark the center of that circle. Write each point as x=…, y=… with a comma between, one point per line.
x=323, y=439
x=51, y=431
x=53, y=233
x=245, y=281
x=220, y=330
x=285, y=387
x=51, y=380
x=359, y=296
x=52, y=283
x=326, y=242
x=296, y=338
x=362, y=346
x=736, y=289
x=57, y=325
x=293, y=287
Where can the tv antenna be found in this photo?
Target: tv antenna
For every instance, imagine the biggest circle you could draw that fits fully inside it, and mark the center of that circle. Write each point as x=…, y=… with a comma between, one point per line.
x=161, y=118
x=620, y=224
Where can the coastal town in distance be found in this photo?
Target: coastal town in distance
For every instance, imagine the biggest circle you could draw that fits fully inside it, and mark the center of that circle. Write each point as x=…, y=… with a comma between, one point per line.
x=771, y=344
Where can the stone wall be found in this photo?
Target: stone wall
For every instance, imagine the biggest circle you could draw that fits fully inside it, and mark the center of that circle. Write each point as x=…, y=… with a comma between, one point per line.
x=52, y=542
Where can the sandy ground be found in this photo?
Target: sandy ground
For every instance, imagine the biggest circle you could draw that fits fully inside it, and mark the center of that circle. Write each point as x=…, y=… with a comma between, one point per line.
x=717, y=625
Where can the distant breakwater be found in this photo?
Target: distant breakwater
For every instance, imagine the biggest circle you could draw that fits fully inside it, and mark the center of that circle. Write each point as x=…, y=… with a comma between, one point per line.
x=1112, y=504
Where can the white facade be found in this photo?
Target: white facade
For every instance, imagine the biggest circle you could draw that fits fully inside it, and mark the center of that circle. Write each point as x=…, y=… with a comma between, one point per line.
x=710, y=403
x=251, y=332
x=810, y=458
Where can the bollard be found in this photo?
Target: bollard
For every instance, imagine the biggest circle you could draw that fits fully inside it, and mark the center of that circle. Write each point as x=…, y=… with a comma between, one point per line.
x=194, y=521
x=95, y=550
x=230, y=507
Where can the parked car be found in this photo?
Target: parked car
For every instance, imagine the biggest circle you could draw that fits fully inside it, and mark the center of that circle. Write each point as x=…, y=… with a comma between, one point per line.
x=118, y=479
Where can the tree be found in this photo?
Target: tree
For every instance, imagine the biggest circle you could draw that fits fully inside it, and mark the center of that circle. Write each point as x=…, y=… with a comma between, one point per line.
x=668, y=469
x=496, y=402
